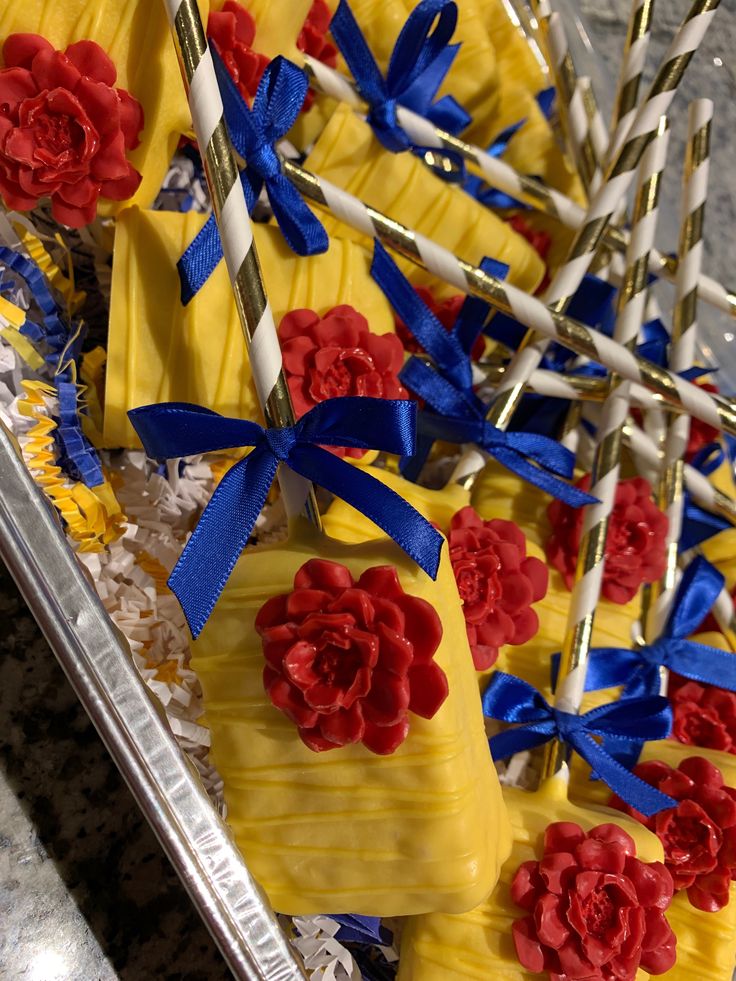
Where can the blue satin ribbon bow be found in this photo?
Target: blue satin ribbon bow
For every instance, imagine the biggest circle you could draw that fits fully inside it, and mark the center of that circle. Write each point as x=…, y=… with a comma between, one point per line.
x=176, y=429
x=254, y=132
x=637, y=670
x=510, y=699
x=419, y=62
x=449, y=391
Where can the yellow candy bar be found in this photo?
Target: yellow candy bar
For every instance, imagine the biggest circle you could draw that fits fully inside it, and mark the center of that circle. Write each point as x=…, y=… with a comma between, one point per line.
x=160, y=351
x=399, y=185
x=706, y=942
x=478, y=945
x=277, y=26
x=516, y=60
x=136, y=36
x=423, y=829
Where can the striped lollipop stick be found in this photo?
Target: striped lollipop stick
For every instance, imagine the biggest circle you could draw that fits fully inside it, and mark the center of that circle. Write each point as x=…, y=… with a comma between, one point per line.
x=632, y=66
x=609, y=440
x=233, y=220
x=682, y=354
x=528, y=310
x=501, y=175
x=606, y=201
x=574, y=113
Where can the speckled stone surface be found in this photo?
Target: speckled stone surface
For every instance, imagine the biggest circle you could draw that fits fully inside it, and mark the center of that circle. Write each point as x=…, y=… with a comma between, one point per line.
x=85, y=891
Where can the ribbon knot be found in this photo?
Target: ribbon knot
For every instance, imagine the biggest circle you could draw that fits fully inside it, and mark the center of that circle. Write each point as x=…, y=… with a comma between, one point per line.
x=281, y=441
x=419, y=62
x=509, y=699
x=637, y=670
x=177, y=429
x=254, y=132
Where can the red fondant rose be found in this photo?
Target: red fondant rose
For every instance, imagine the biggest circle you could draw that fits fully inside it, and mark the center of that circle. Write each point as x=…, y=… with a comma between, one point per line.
x=313, y=41
x=703, y=715
x=596, y=912
x=64, y=129
x=334, y=355
x=497, y=583
x=232, y=30
x=348, y=661
x=699, y=835
x=634, y=546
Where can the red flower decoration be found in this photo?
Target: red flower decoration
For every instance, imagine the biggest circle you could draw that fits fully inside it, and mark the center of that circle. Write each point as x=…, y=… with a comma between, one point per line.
x=348, y=661
x=699, y=835
x=497, y=583
x=634, y=547
x=596, y=911
x=700, y=432
x=64, y=129
x=446, y=311
x=703, y=715
x=232, y=30
x=313, y=41
x=327, y=357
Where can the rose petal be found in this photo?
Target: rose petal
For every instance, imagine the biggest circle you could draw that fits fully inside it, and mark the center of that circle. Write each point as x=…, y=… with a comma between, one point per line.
x=19, y=50
x=92, y=61
x=429, y=689
x=528, y=948
x=343, y=727
x=16, y=84
x=51, y=69
x=323, y=574
x=388, y=699
x=385, y=740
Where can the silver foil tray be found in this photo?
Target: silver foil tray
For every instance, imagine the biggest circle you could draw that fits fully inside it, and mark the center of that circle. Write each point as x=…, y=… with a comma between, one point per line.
x=96, y=659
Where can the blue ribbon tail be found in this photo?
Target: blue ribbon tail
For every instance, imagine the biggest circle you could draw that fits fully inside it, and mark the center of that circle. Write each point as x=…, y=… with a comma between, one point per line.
x=383, y=506
x=200, y=575
x=199, y=260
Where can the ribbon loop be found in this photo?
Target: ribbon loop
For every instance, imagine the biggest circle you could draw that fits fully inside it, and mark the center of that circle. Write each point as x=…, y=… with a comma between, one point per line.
x=509, y=699
x=421, y=58
x=178, y=429
x=254, y=132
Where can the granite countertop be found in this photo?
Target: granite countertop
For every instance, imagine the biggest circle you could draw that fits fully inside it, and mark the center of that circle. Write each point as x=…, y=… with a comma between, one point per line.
x=85, y=890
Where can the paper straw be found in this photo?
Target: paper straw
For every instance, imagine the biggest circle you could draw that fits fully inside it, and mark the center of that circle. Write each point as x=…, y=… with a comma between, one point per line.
x=588, y=584
x=682, y=352
x=606, y=201
x=501, y=175
x=528, y=310
x=570, y=102
x=632, y=66
x=236, y=234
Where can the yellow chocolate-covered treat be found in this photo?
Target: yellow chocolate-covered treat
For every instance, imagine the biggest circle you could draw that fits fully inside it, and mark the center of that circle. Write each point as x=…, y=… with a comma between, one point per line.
x=516, y=60
x=160, y=351
x=503, y=496
x=277, y=25
x=706, y=942
x=137, y=37
x=478, y=945
x=423, y=829
x=399, y=185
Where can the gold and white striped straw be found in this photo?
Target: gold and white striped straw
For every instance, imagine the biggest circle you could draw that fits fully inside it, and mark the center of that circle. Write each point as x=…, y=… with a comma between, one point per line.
x=609, y=440
x=501, y=175
x=607, y=199
x=682, y=352
x=630, y=74
x=528, y=310
x=236, y=234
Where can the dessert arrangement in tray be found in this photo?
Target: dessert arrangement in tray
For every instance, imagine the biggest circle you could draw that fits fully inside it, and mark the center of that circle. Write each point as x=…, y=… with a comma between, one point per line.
x=332, y=333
